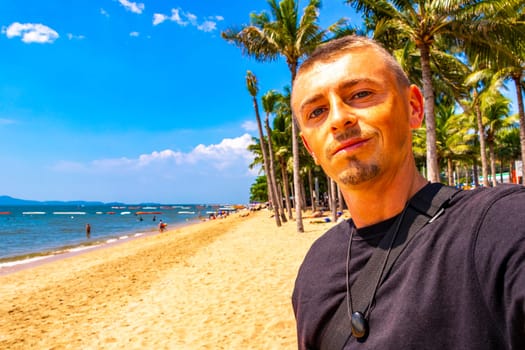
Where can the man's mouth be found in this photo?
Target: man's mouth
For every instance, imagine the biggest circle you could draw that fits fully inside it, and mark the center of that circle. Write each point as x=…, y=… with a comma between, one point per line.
x=349, y=145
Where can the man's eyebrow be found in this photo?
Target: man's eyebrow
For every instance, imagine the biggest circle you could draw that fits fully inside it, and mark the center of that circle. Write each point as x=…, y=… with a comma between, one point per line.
x=347, y=84
x=352, y=82
x=309, y=101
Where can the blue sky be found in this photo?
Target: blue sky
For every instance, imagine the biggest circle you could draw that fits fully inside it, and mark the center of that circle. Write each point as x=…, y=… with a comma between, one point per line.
x=115, y=100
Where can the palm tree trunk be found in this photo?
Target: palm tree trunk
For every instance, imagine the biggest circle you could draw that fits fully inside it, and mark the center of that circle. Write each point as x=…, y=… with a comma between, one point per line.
x=271, y=192
x=286, y=187
x=303, y=194
x=278, y=199
x=521, y=113
x=482, y=146
x=449, y=171
x=297, y=178
x=501, y=170
x=475, y=172
x=311, y=188
x=333, y=199
x=432, y=161
x=492, y=164
x=296, y=164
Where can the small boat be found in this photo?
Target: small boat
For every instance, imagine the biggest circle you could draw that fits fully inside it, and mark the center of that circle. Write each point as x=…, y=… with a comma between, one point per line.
x=69, y=212
x=5, y=213
x=125, y=213
x=148, y=212
x=33, y=213
x=186, y=212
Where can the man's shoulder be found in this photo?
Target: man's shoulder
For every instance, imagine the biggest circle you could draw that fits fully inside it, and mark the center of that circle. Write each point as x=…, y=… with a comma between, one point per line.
x=330, y=245
x=487, y=197
x=494, y=207
x=335, y=234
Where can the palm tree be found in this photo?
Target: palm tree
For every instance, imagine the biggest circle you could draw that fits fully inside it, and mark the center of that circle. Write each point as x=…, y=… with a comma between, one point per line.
x=502, y=51
x=496, y=113
x=284, y=34
x=508, y=150
x=517, y=75
x=281, y=136
x=253, y=89
x=269, y=102
x=452, y=141
x=424, y=23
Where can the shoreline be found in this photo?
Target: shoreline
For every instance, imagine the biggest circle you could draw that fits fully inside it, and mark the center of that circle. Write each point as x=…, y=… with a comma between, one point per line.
x=223, y=283
x=16, y=263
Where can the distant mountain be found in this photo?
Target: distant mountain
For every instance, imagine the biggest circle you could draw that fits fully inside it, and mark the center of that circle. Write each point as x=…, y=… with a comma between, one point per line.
x=6, y=200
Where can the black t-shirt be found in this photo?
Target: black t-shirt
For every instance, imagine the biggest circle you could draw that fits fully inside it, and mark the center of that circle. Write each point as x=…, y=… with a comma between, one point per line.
x=459, y=284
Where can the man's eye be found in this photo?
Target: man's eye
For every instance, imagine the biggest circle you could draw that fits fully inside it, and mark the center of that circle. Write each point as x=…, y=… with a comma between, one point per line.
x=361, y=94
x=316, y=112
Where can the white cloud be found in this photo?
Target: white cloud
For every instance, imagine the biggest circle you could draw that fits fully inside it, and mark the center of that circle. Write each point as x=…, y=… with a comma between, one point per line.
x=146, y=159
x=176, y=17
x=158, y=18
x=229, y=152
x=104, y=12
x=224, y=154
x=31, y=32
x=250, y=125
x=132, y=6
x=184, y=18
x=135, y=34
x=207, y=173
x=192, y=18
x=207, y=26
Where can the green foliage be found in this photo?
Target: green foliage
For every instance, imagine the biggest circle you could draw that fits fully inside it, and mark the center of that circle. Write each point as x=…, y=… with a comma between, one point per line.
x=259, y=190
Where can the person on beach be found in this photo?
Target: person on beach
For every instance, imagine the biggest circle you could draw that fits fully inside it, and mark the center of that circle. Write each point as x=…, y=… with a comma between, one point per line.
x=162, y=225
x=88, y=231
x=458, y=278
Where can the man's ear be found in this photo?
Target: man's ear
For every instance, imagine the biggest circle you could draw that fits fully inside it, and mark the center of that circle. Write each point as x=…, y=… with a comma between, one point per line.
x=417, y=110
x=305, y=143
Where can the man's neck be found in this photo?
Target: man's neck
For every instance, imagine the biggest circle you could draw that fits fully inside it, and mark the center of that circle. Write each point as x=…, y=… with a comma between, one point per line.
x=377, y=202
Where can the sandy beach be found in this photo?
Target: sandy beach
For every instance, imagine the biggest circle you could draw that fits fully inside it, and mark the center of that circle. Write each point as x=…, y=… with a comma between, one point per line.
x=221, y=284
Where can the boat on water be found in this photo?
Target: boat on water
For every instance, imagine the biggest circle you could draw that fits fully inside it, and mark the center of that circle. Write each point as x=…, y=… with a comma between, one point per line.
x=148, y=212
x=185, y=212
x=5, y=213
x=33, y=213
x=69, y=212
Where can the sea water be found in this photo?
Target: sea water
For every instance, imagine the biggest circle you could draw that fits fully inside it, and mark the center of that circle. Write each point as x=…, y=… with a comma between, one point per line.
x=35, y=230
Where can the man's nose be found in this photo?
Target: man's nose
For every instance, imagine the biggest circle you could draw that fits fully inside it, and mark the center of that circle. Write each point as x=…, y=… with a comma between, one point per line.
x=341, y=115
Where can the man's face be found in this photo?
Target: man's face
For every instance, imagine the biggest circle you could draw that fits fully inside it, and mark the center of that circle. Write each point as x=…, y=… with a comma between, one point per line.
x=355, y=118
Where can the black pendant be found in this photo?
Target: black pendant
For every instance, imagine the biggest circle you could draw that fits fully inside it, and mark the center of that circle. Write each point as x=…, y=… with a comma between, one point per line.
x=359, y=325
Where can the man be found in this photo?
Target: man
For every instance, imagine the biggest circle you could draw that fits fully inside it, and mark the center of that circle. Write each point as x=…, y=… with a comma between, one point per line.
x=460, y=282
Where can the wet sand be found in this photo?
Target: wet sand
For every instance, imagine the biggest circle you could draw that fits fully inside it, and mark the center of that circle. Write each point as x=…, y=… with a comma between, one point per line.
x=221, y=284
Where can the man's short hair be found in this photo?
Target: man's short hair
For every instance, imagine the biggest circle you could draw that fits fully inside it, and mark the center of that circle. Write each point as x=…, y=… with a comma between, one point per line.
x=337, y=47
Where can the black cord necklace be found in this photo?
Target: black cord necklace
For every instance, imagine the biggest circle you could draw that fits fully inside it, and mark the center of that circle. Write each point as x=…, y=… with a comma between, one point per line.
x=358, y=320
